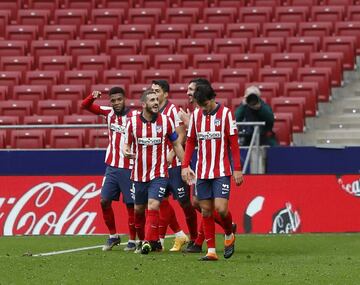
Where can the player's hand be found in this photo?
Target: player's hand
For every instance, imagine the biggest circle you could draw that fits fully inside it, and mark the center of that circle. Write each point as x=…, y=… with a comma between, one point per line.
x=170, y=157
x=96, y=94
x=238, y=177
x=127, y=153
x=184, y=116
x=188, y=175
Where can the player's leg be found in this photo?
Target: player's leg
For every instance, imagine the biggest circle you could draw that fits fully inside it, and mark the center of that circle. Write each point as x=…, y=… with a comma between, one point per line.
x=141, y=197
x=164, y=218
x=221, y=188
x=109, y=192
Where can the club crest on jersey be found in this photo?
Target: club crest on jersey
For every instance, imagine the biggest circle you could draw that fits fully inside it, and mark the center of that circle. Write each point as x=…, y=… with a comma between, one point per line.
x=149, y=141
x=209, y=135
x=118, y=128
x=217, y=122
x=159, y=129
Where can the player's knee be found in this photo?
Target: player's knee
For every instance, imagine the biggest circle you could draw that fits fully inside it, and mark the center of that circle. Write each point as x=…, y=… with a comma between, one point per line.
x=153, y=204
x=222, y=211
x=105, y=203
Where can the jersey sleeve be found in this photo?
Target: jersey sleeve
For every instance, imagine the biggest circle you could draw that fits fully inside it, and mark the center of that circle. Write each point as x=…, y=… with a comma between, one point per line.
x=129, y=137
x=191, y=133
x=230, y=124
x=88, y=104
x=171, y=131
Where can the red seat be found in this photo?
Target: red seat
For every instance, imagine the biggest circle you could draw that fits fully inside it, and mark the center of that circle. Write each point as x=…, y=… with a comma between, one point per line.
x=307, y=3
x=75, y=17
x=2, y=139
x=121, y=47
x=293, y=14
x=321, y=75
x=147, y=76
x=155, y=3
x=4, y=92
x=27, y=139
x=81, y=77
x=135, y=62
x=80, y=119
x=305, y=45
x=210, y=61
x=194, y=3
x=345, y=45
x=33, y=17
x=10, y=78
x=264, y=3
x=82, y=47
x=171, y=31
x=97, y=32
x=315, y=29
x=220, y=15
x=279, y=29
x=42, y=77
x=349, y=29
x=135, y=90
x=47, y=47
x=41, y=120
x=268, y=90
x=60, y=63
x=134, y=31
x=283, y=128
x=182, y=15
x=13, y=48
x=93, y=62
x=229, y=3
x=291, y=105
x=193, y=46
x=125, y=4
x=30, y=92
x=248, y=60
x=108, y=16
x=50, y=5
x=238, y=75
x=148, y=16
x=292, y=60
x=98, y=138
x=226, y=90
x=327, y=13
x=10, y=5
x=230, y=46
x=339, y=2
x=67, y=92
x=9, y=120
x=267, y=46
x=185, y=75
x=334, y=60
x=22, y=32
x=171, y=61
x=120, y=76
x=16, y=63
x=276, y=74
x=67, y=138
x=54, y=107
x=60, y=32
x=80, y=4
x=255, y=14
x=353, y=13
x=178, y=90
x=207, y=31
x=307, y=90
x=243, y=30
x=157, y=46
x=16, y=108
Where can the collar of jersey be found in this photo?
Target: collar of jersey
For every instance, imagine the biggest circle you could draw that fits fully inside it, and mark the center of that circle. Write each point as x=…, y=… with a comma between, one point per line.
x=163, y=108
x=146, y=121
x=124, y=112
x=213, y=112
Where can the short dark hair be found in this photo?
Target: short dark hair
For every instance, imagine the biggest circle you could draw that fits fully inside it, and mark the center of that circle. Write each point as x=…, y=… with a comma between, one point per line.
x=163, y=84
x=200, y=81
x=145, y=94
x=116, y=90
x=204, y=92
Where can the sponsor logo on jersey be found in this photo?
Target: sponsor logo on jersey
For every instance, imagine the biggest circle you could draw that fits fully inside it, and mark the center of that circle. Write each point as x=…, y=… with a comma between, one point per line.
x=149, y=141
x=209, y=135
x=118, y=128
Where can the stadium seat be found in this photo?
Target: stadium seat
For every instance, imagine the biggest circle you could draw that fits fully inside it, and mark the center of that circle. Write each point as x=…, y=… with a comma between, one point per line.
x=16, y=108
x=349, y=29
x=321, y=75
x=339, y=2
x=229, y=3
x=315, y=29
x=4, y=92
x=47, y=47
x=182, y=15
x=82, y=47
x=157, y=46
x=10, y=78
x=68, y=92
x=9, y=120
x=292, y=105
x=93, y=62
x=42, y=77
x=171, y=31
x=60, y=63
x=10, y=5
x=80, y=119
x=267, y=46
x=185, y=75
x=307, y=90
x=194, y=3
x=49, y=5
x=344, y=44
x=98, y=138
x=334, y=60
x=5, y=134
x=81, y=77
x=276, y=74
x=178, y=90
x=147, y=16
x=16, y=63
x=268, y=90
x=30, y=92
x=171, y=61
x=41, y=120
x=327, y=13
x=58, y=108
x=135, y=62
x=135, y=90
x=238, y=75
x=206, y=31
x=307, y=3
x=60, y=32
x=255, y=14
x=292, y=14
x=121, y=47
x=264, y=3
x=120, y=76
x=97, y=32
x=220, y=14
x=107, y=16
x=67, y=138
x=33, y=17
x=248, y=60
x=304, y=45
x=22, y=32
x=210, y=61
x=353, y=13
x=292, y=60
x=80, y=4
x=27, y=139
x=116, y=4
x=226, y=90
x=230, y=46
x=13, y=48
x=193, y=46
x=154, y=3
x=279, y=29
x=243, y=30
x=75, y=17
x=283, y=128
x=134, y=31
x=147, y=76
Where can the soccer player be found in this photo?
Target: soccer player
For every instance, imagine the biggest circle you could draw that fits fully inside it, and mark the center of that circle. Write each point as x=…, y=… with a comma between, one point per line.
x=212, y=127
x=118, y=170
x=149, y=133
x=179, y=189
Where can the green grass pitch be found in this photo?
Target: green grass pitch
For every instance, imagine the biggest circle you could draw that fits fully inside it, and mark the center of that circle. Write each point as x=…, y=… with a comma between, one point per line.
x=259, y=259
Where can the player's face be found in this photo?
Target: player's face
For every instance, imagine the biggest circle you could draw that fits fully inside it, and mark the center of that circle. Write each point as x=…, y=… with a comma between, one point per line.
x=117, y=102
x=161, y=94
x=152, y=103
x=190, y=91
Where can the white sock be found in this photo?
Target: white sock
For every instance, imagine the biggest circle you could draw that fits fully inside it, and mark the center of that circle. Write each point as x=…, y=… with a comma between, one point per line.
x=113, y=236
x=211, y=250
x=227, y=237
x=162, y=241
x=180, y=234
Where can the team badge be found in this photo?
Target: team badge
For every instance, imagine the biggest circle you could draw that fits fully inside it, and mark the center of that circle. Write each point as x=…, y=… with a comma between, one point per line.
x=217, y=122
x=158, y=129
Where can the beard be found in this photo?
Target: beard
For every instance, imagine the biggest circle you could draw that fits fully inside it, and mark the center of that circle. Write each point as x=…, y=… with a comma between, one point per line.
x=151, y=111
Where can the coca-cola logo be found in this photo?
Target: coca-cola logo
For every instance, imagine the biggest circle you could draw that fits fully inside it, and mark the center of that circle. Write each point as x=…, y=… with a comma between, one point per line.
x=50, y=208
x=286, y=220
x=352, y=188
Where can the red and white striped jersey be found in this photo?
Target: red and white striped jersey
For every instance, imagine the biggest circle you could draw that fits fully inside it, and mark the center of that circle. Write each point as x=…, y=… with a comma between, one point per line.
x=149, y=141
x=171, y=111
x=212, y=132
x=116, y=126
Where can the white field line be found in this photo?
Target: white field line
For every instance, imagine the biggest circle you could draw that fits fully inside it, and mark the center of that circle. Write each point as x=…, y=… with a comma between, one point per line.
x=78, y=249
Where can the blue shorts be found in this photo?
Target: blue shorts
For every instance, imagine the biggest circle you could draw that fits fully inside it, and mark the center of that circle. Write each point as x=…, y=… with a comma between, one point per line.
x=154, y=189
x=116, y=181
x=179, y=189
x=207, y=189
